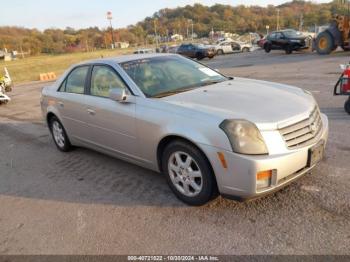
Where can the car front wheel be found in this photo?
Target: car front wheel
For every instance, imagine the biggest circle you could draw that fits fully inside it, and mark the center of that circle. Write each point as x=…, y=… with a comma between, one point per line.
x=267, y=48
x=289, y=50
x=59, y=135
x=189, y=174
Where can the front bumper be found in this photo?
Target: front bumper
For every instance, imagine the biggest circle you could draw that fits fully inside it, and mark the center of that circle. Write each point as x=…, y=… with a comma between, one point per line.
x=238, y=181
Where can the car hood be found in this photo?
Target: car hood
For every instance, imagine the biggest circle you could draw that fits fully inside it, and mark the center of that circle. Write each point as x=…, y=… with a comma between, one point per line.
x=268, y=105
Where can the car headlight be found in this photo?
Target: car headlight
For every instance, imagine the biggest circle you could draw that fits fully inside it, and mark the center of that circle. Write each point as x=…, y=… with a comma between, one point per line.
x=244, y=136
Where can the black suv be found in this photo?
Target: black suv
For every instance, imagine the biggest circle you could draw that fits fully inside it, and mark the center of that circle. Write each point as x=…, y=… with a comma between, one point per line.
x=288, y=40
x=196, y=51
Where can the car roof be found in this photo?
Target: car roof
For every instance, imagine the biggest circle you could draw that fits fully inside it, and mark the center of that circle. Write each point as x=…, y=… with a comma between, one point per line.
x=284, y=30
x=124, y=58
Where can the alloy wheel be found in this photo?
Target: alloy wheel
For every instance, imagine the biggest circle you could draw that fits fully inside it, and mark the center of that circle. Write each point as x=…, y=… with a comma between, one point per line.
x=185, y=174
x=58, y=134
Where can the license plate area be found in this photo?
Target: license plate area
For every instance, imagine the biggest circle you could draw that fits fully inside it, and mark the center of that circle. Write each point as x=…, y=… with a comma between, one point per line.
x=316, y=154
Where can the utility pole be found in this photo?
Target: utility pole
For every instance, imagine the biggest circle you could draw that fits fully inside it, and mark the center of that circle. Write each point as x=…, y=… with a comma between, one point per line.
x=192, y=29
x=110, y=17
x=190, y=21
x=301, y=23
x=278, y=20
x=187, y=28
x=155, y=32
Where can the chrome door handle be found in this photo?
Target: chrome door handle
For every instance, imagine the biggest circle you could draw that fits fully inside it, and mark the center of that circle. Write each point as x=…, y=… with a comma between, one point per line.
x=60, y=104
x=91, y=112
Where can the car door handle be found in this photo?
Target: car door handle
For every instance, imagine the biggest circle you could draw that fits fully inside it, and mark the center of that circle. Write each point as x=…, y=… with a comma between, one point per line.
x=91, y=112
x=61, y=104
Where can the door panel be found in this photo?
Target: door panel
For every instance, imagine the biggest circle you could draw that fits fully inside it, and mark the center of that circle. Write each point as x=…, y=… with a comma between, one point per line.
x=111, y=123
x=71, y=103
x=280, y=40
x=227, y=48
x=72, y=111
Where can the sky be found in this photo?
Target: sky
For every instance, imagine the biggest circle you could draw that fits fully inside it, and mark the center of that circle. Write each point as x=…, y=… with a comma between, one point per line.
x=44, y=14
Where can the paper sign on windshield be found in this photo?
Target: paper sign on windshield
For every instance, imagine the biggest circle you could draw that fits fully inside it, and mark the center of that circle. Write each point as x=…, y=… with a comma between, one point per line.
x=208, y=71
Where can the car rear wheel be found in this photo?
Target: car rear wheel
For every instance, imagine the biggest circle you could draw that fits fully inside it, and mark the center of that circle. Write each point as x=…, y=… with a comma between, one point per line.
x=245, y=50
x=59, y=135
x=189, y=174
x=347, y=106
x=220, y=52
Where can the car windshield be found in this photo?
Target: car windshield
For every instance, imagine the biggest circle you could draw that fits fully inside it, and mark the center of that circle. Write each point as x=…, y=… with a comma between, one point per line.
x=167, y=75
x=292, y=33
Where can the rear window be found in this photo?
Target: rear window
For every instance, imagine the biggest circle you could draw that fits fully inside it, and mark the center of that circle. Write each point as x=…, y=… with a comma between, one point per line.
x=75, y=82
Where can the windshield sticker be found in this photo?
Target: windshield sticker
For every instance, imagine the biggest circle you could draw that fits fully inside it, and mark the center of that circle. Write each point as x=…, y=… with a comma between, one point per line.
x=208, y=71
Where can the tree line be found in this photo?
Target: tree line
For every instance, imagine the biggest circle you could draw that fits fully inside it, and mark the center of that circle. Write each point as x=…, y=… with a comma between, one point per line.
x=238, y=19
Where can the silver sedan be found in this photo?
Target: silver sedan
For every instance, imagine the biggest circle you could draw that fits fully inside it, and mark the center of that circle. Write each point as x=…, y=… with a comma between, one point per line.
x=207, y=133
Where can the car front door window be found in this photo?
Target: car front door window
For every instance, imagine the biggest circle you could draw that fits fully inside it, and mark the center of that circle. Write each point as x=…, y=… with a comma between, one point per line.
x=104, y=79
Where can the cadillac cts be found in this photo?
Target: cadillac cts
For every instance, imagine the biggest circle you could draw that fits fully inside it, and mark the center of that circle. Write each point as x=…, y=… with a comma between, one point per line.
x=207, y=133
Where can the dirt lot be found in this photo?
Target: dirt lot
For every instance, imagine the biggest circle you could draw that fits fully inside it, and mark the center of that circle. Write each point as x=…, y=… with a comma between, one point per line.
x=87, y=203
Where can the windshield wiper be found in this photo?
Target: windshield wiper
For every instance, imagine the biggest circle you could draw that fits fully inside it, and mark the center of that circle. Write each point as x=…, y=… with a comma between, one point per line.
x=178, y=91
x=173, y=92
x=208, y=83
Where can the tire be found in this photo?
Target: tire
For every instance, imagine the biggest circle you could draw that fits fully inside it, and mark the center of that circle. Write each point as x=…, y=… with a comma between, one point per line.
x=59, y=135
x=325, y=43
x=289, y=50
x=220, y=52
x=192, y=182
x=267, y=48
x=347, y=106
x=245, y=50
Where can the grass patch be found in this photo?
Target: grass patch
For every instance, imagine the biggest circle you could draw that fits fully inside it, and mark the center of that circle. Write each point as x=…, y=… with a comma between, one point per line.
x=28, y=69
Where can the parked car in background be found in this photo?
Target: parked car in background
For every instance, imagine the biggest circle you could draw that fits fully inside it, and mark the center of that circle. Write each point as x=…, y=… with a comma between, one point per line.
x=207, y=133
x=289, y=40
x=173, y=49
x=144, y=51
x=261, y=42
x=228, y=47
x=197, y=51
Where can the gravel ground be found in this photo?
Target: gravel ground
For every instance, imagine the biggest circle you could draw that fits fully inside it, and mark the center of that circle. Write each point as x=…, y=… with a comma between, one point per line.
x=87, y=203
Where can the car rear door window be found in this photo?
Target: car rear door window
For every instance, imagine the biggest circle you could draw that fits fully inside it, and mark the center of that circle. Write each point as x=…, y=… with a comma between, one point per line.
x=104, y=79
x=75, y=82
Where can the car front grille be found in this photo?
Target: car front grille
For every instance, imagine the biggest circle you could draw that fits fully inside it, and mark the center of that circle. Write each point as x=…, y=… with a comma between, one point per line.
x=304, y=132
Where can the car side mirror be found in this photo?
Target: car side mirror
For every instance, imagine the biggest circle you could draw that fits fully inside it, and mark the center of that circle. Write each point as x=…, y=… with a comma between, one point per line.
x=119, y=95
